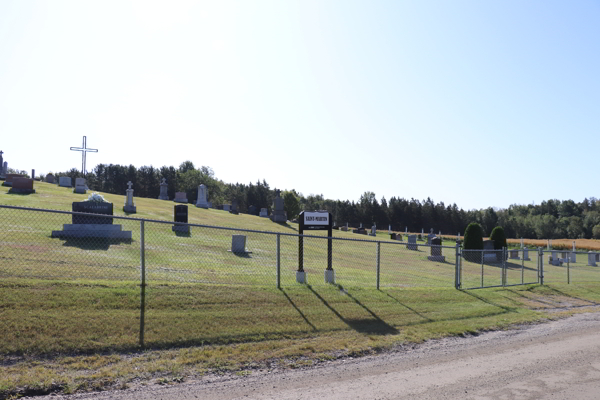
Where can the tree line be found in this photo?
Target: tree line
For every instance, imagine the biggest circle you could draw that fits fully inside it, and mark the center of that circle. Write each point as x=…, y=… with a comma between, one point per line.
x=552, y=219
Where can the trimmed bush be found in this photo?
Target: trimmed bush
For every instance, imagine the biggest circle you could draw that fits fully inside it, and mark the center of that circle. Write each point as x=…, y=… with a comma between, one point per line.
x=473, y=241
x=498, y=237
x=473, y=237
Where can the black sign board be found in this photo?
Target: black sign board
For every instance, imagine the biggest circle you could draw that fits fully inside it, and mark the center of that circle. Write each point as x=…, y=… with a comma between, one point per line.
x=181, y=213
x=93, y=207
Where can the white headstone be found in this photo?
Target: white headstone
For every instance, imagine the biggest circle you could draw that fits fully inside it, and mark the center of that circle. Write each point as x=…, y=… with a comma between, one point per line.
x=202, y=194
x=521, y=242
x=591, y=259
x=129, y=206
x=406, y=229
x=389, y=228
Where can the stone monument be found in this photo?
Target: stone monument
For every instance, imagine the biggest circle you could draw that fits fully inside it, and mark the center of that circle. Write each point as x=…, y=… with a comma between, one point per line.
x=22, y=186
x=412, y=242
x=202, y=195
x=526, y=254
x=89, y=226
x=129, y=206
x=50, y=178
x=264, y=213
x=180, y=197
x=238, y=244
x=279, y=214
x=1, y=164
x=436, y=250
x=9, y=179
x=252, y=210
x=65, y=181
x=234, y=207
x=373, y=231
x=591, y=259
x=514, y=254
x=80, y=186
x=163, y=190
x=180, y=216
x=227, y=207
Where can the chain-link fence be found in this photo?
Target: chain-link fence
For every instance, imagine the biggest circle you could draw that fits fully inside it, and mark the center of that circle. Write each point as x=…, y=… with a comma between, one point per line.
x=122, y=267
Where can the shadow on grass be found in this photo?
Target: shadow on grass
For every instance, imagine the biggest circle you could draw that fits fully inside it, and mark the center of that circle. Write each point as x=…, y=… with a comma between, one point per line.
x=314, y=328
x=286, y=225
x=409, y=308
x=373, y=325
x=505, y=308
x=561, y=293
x=94, y=243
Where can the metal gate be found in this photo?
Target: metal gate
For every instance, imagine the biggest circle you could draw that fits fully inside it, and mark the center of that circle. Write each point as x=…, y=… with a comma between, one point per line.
x=497, y=268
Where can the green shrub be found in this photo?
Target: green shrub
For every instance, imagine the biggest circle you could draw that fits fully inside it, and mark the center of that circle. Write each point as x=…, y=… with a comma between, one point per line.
x=498, y=237
x=596, y=231
x=473, y=239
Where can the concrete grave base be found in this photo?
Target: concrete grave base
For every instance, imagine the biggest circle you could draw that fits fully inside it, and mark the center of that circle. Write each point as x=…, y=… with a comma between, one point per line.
x=79, y=190
x=437, y=258
x=181, y=228
x=21, y=191
x=129, y=209
x=92, y=231
x=330, y=276
x=300, y=276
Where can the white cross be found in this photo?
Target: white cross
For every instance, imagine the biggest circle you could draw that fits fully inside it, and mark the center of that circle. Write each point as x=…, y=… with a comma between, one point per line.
x=84, y=151
x=129, y=185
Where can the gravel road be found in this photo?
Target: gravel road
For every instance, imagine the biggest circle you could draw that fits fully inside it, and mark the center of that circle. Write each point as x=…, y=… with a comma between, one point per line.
x=555, y=360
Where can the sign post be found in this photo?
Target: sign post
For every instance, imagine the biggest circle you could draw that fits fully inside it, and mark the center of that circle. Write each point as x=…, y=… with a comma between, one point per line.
x=315, y=220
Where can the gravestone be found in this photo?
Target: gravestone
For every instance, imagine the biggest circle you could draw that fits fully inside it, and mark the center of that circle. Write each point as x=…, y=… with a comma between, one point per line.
x=22, y=186
x=234, y=207
x=489, y=252
x=373, y=231
x=65, y=181
x=399, y=236
x=33, y=174
x=180, y=216
x=345, y=227
x=573, y=256
x=80, y=186
x=252, y=210
x=1, y=163
x=514, y=254
x=5, y=168
x=279, y=214
x=238, y=244
x=180, y=197
x=202, y=195
x=406, y=229
x=360, y=231
x=226, y=207
x=163, y=190
x=436, y=250
x=412, y=242
x=89, y=226
x=389, y=229
x=393, y=236
x=129, y=206
x=50, y=178
x=597, y=256
x=591, y=259
x=264, y=213
x=526, y=254
x=10, y=177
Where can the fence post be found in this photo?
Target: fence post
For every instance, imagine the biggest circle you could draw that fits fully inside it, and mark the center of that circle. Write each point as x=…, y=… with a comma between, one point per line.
x=278, y=262
x=457, y=266
x=378, y=262
x=503, y=266
x=568, y=269
x=143, y=282
x=541, y=266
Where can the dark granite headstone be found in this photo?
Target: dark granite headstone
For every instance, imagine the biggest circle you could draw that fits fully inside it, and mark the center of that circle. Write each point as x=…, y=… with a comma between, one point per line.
x=252, y=210
x=234, y=207
x=436, y=251
x=181, y=213
x=94, y=207
x=393, y=236
x=8, y=181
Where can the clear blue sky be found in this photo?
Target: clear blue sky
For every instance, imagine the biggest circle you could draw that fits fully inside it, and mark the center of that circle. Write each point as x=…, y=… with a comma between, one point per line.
x=479, y=103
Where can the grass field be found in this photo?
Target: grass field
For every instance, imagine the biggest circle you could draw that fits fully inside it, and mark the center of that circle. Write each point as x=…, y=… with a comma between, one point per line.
x=70, y=311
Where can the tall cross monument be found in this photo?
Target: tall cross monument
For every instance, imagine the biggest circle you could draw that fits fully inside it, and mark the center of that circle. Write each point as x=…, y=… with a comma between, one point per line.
x=84, y=151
